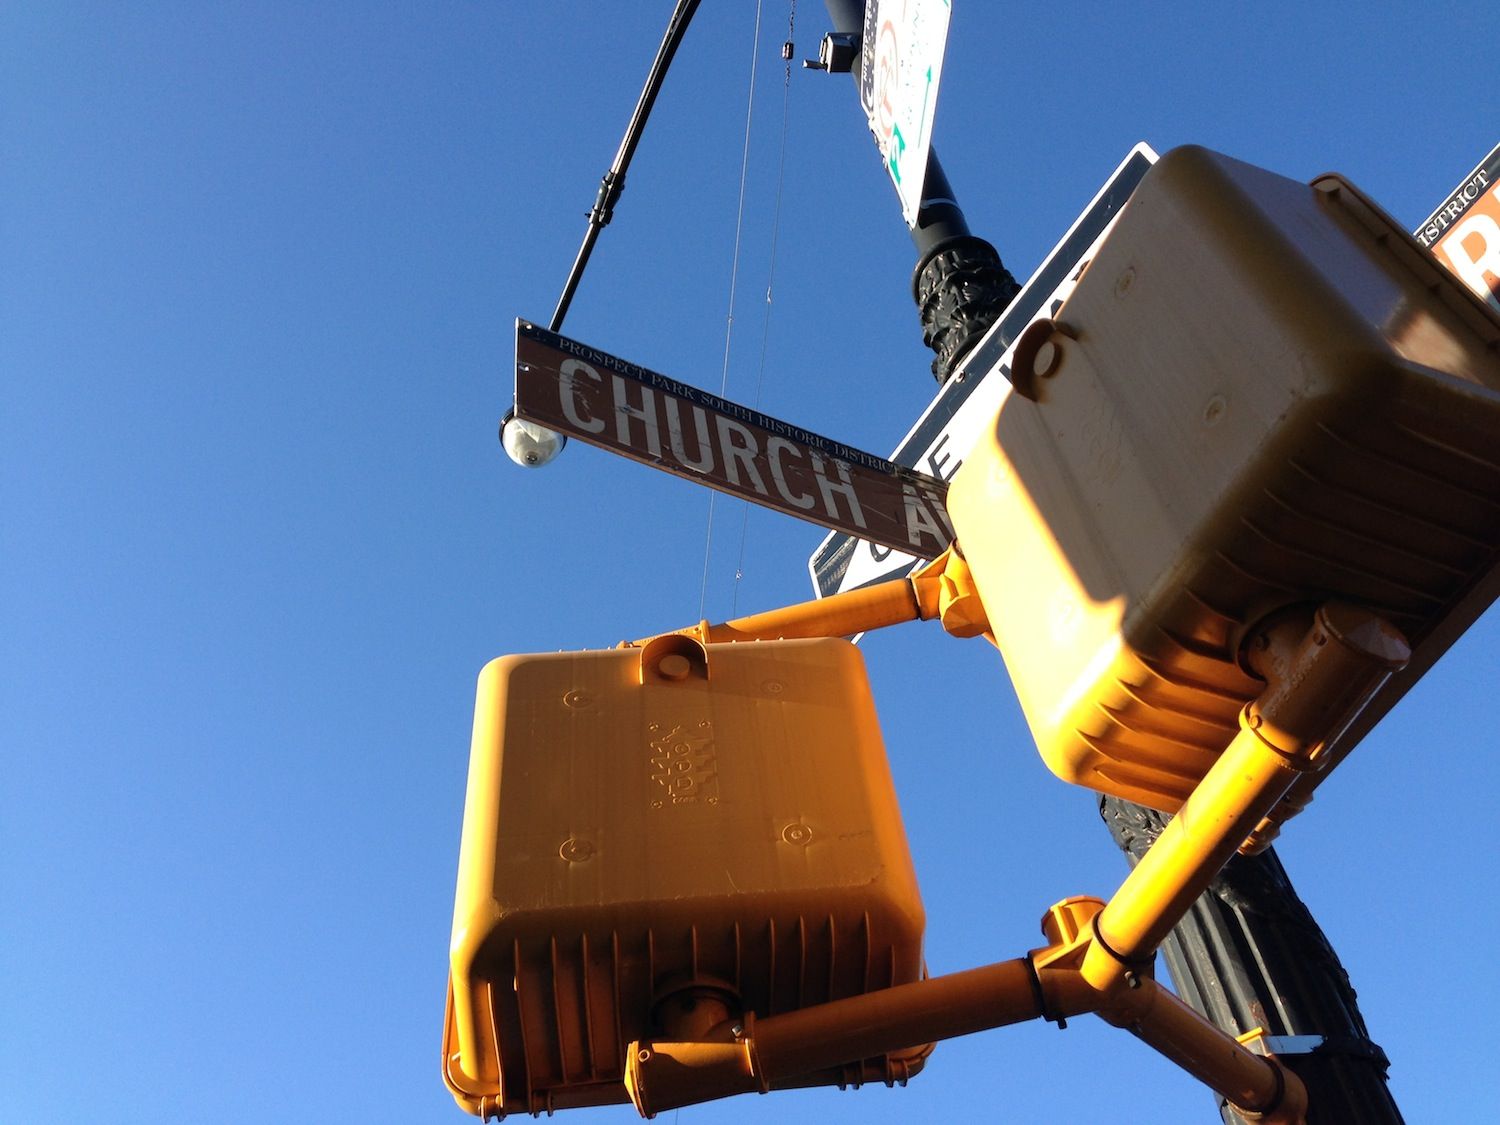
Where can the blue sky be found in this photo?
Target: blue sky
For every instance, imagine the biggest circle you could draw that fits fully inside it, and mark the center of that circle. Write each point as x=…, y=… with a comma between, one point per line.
x=260, y=267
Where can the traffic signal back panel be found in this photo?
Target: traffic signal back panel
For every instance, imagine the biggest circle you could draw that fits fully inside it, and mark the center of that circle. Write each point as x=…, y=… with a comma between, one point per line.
x=1260, y=394
x=641, y=823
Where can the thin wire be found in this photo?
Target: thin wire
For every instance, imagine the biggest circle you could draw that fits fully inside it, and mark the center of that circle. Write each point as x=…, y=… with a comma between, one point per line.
x=734, y=275
x=765, y=324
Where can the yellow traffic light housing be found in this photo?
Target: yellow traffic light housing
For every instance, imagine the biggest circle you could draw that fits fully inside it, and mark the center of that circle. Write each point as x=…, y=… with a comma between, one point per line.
x=1244, y=491
x=661, y=839
x=1262, y=395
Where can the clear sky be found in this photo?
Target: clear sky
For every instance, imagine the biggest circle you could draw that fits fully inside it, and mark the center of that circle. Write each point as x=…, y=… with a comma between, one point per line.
x=259, y=265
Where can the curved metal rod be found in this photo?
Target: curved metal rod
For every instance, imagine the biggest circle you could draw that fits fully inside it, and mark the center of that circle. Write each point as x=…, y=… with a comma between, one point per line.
x=613, y=182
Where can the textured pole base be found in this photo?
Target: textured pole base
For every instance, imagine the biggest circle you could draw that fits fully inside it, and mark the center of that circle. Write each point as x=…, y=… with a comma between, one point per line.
x=961, y=288
x=1249, y=955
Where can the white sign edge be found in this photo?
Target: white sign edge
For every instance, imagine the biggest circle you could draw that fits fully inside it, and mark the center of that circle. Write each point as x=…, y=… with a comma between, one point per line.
x=1141, y=148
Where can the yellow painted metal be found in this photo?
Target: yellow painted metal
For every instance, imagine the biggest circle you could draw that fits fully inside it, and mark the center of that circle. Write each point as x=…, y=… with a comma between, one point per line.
x=1257, y=1085
x=1250, y=1081
x=756, y=1054
x=643, y=976
x=1319, y=679
x=1319, y=672
x=668, y=1075
x=908, y=1016
x=671, y=821
x=1246, y=780
x=1260, y=394
x=1318, y=706
x=685, y=1029
x=841, y=615
x=942, y=589
x=775, y=1050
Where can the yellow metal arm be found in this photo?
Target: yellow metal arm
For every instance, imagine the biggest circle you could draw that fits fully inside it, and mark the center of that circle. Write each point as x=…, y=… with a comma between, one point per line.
x=1320, y=670
x=1318, y=677
x=745, y=1054
x=942, y=589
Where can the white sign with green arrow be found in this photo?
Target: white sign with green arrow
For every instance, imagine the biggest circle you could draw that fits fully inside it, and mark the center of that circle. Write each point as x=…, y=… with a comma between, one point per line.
x=901, y=61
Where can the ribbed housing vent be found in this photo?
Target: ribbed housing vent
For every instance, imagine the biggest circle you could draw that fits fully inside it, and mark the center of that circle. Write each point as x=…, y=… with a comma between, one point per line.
x=576, y=1001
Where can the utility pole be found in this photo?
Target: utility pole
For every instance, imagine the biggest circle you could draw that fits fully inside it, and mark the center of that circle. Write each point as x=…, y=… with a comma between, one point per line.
x=1248, y=955
x=960, y=284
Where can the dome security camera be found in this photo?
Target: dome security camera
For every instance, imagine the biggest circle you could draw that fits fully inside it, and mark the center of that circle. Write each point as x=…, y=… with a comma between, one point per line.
x=528, y=444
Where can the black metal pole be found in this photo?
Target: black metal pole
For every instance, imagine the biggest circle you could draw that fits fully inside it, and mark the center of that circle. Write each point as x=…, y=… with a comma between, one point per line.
x=599, y=215
x=960, y=285
x=1249, y=954
x=613, y=182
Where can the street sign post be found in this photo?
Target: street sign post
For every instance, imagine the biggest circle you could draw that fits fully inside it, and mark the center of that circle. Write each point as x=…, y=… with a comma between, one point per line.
x=901, y=63
x=1464, y=233
x=948, y=428
x=616, y=405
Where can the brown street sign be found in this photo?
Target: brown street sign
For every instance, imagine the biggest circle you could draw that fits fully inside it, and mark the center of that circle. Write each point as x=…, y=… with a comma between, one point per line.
x=616, y=405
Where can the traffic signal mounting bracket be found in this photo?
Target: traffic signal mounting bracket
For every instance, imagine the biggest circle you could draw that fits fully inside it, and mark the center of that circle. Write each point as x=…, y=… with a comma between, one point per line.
x=942, y=589
x=1319, y=670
